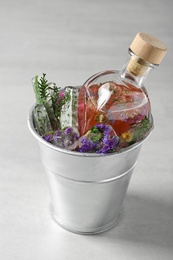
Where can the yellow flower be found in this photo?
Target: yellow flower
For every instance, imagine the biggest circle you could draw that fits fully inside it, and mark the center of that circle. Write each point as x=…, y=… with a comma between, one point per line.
x=127, y=136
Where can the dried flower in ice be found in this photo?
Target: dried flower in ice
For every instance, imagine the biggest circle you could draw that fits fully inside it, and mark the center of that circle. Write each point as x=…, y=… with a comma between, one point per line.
x=127, y=136
x=67, y=138
x=100, y=139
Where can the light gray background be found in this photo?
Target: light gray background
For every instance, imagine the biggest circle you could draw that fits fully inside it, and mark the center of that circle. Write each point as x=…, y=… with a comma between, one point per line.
x=70, y=41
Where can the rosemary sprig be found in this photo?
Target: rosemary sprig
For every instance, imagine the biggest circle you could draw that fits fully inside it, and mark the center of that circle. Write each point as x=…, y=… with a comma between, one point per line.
x=40, y=88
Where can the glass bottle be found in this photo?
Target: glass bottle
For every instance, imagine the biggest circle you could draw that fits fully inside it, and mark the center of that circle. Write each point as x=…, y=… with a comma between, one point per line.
x=119, y=98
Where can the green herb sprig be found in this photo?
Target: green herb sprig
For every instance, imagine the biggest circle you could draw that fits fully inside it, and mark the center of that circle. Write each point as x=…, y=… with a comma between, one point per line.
x=47, y=94
x=40, y=87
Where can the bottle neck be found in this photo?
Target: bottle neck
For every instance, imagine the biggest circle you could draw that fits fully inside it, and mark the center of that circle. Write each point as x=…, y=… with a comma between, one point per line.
x=136, y=70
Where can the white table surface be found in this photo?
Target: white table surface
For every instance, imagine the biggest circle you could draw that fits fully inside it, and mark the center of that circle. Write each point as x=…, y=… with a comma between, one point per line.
x=70, y=41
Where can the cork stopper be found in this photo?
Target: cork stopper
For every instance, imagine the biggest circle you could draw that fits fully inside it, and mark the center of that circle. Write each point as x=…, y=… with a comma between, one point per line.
x=137, y=66
x=148, y=48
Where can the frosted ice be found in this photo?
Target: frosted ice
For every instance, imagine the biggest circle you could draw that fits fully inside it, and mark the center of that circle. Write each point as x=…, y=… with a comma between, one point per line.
x=100, y=139
x=69, y=111
x=41, y=119
x=67, y=138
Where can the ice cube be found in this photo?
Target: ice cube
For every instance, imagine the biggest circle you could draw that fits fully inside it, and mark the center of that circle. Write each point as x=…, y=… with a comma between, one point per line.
x=41, y=119
x=101, y=138
x=69, y=110
x=68, y=138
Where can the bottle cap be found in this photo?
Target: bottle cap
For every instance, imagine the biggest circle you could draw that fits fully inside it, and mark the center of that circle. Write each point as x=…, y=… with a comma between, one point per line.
x=148, y=48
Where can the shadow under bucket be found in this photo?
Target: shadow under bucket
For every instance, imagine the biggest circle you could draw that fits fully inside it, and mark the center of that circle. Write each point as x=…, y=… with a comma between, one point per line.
x=87, y=190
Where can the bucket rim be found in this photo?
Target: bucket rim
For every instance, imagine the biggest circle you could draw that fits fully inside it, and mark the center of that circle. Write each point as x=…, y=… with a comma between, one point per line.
x=75, y=153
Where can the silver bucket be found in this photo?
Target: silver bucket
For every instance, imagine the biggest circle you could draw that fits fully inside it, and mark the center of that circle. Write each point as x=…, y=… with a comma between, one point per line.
x=87, y=190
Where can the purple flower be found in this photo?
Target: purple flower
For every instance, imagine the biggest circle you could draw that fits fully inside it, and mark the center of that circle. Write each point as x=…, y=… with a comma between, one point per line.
x=57, y=136
x=100, y=139
x=47, y=137
x=100, y=126
x=68, y=131
x=106, y=129
x=109, y=144
x=67, y=138
x=87, y=145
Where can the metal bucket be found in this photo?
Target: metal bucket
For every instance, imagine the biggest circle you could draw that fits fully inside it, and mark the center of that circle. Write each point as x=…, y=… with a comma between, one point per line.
x=87, y=190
